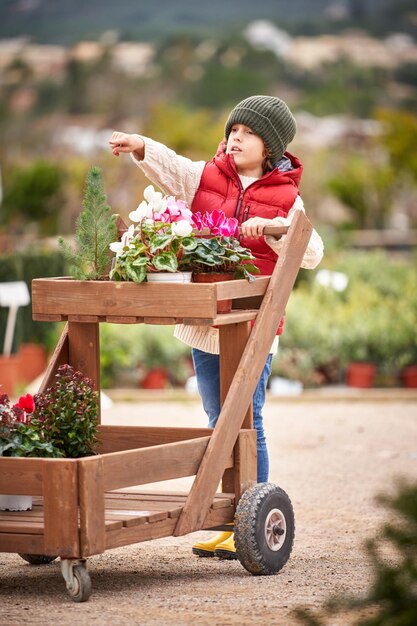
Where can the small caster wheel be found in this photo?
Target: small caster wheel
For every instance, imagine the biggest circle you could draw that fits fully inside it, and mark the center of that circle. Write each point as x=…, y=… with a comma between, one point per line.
x=77, y=579
x=37, y=559
x=81, y=590
x=264, y=529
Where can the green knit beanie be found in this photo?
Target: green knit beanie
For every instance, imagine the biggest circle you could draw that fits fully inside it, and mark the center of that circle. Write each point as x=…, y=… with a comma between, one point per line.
x=268, y=117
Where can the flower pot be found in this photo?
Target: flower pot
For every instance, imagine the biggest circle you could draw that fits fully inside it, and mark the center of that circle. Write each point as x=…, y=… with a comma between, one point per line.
x=9, y=374
x=223, y=306
x=156, y=378
x=360, y=375
x=33, y=361
x=15, y=503
x=168, y=277
x=409, y=377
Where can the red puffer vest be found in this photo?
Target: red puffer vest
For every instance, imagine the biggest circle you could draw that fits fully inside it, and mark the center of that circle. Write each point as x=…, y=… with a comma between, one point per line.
x=271, y=196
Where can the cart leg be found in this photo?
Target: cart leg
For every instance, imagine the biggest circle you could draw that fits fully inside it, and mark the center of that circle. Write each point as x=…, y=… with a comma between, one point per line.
x=77, y=579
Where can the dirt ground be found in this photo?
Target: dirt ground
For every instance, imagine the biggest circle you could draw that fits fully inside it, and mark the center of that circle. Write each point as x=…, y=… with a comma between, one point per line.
x=331, y=456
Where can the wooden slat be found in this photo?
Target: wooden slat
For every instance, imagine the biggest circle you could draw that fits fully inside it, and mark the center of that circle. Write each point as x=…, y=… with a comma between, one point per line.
x=142, y=532
x=126, y=299
x=21, y=543
x=164, y=528
x=21, y=526
x=168, y=496
x=118, y=438
x=246, y=378
x=240, y=288
x=112, y=524
x=153, y=464
x=45, y=317
x=59, y=357
x=91, y=500
x=22, y=476
x=61, y=509
x=123, y=319
x=235, y=317
x=86, y=318
x=160, y=321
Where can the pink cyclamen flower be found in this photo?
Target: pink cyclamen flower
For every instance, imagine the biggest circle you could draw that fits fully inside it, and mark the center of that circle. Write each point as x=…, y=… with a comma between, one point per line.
x=178, y=210
x=197, y=220
x=229, y=226
x=26, y=403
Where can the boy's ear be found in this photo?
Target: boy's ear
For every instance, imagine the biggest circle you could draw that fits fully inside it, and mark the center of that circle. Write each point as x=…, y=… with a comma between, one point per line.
x=222, y=146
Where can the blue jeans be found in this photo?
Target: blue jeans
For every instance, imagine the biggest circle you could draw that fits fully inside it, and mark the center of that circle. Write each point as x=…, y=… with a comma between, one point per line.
x=207, y=371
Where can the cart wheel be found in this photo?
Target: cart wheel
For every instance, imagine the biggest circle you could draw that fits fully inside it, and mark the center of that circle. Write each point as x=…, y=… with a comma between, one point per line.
x=264, y=529
x=80, y=590
x=37, y=559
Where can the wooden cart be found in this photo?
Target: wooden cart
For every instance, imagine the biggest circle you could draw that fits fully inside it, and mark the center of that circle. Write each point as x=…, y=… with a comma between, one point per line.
x=81, y=506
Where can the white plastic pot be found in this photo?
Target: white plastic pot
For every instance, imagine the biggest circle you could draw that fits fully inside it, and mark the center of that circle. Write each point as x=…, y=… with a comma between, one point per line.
x=15, y=503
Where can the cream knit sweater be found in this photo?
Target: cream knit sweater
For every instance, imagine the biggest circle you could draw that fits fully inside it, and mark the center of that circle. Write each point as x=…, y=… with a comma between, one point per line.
x=178, y=176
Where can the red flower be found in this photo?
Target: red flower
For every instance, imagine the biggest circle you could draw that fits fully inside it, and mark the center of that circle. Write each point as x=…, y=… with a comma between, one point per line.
x=26, y=403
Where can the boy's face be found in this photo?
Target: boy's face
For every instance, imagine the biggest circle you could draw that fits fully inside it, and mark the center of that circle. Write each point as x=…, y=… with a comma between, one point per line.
x=248, y=150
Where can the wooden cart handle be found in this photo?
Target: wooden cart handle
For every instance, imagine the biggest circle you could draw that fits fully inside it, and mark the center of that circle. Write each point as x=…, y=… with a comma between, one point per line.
x=275, y=231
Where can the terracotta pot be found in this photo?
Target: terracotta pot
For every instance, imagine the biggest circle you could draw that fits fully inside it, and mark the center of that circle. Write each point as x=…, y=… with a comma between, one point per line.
x=156, y=378
x=223, y=306
x=33, y=361
x=9, y=374
x=409, y=377
x=360, y=375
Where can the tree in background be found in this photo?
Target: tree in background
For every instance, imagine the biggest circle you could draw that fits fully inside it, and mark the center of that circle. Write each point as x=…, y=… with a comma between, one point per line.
x=33, y=194
x=367, y=187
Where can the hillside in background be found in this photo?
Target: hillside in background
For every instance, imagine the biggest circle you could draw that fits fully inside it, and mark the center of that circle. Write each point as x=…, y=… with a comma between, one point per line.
x=66, y=22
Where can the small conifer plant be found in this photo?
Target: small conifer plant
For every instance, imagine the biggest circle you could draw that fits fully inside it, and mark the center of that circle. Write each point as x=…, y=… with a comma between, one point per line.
x=95, y=230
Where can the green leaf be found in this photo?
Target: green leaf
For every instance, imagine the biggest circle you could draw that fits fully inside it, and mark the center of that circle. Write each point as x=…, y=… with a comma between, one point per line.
x=139, y=262
x=166, y=262
x=137, y=274
x=160, y=241
x=189, y=243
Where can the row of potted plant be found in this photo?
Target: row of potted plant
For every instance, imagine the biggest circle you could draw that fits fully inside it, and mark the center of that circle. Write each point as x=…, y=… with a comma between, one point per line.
x=166, y=236
x=60, y=422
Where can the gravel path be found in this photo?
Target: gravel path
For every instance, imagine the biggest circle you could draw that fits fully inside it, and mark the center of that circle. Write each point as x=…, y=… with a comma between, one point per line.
x=331, y=457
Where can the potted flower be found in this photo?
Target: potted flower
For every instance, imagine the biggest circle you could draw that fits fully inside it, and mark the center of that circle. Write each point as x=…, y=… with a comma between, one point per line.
x=218, y=252
x=21, y=436
x=67, y=412
x=169, y=238
x=156, y=242
x=59, y=422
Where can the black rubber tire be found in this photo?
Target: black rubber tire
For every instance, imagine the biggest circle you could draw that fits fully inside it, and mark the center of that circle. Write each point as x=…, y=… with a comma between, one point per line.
x=83, y=592
x=252, y=548
x=38, y=559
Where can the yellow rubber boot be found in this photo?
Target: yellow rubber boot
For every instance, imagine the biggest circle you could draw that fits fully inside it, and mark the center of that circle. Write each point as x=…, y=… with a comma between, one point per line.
x=207, y=548
x=226, y=549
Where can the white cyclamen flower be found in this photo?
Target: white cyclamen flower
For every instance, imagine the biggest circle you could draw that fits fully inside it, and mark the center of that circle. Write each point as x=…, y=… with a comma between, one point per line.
x=182, y=228
x=143, y=210
x=118, y=246
x=154, y=198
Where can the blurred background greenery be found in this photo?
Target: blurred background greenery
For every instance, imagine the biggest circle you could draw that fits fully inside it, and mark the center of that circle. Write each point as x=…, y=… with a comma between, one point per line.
x=72, y=73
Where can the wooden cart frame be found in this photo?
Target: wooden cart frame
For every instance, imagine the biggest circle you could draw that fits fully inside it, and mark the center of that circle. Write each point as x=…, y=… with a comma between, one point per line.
x=81, y=506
